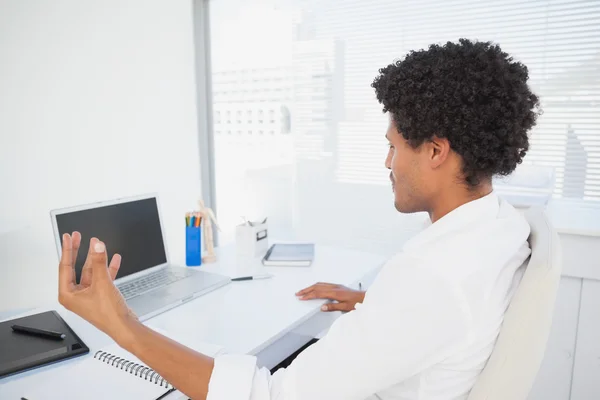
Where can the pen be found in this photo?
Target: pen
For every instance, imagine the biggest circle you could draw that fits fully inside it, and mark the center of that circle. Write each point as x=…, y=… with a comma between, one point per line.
x=38, y=332
x=168, y=392
x=250, y=278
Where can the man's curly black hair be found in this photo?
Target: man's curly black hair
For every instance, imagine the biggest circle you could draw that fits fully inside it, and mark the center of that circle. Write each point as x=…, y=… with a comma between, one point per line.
x=471, y=93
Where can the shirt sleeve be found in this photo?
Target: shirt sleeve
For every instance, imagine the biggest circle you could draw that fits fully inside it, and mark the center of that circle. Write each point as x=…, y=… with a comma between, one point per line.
x=408, y=322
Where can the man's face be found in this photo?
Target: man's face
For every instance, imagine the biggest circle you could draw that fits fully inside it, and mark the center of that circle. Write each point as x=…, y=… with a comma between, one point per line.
x=408, y=172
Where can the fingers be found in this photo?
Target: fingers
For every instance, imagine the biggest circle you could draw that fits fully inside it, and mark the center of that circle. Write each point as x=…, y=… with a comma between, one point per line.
x=322, y=293
x=99, y=265
x=113, y=267
x=86, y=272
x=305, y=291
x=314, y=287
x=344, y=306
x=66, y=272
x=76, y=240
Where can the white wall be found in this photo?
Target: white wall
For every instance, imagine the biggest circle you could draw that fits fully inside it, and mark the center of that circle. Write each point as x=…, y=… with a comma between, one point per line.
x=97, y=101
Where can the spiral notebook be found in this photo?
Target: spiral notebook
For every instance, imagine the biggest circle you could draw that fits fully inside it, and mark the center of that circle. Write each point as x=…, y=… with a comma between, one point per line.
x=111, y=373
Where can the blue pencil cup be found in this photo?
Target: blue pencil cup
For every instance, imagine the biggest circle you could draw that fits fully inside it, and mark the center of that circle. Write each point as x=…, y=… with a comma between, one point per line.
x=193, y=246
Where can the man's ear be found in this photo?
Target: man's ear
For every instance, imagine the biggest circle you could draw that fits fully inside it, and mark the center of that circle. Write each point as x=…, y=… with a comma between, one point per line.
x=439, y=149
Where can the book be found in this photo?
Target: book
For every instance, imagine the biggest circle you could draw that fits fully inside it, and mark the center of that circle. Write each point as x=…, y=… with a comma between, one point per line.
x=111, y=373
x=290, y=254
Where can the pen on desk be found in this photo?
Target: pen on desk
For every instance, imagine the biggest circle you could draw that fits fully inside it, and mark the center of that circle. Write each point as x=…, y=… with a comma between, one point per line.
x=359, y=285
x=250, y=278
x=38, y=332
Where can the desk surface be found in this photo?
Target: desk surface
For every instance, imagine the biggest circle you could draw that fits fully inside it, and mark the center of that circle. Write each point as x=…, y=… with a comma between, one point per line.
x=244, y=317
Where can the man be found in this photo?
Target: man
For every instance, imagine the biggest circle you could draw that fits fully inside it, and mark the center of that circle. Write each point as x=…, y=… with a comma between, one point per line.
x=458, y=115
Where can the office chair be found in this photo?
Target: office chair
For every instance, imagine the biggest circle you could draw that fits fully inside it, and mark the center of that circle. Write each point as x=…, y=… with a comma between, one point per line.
x=528, y=185
x=514, y=363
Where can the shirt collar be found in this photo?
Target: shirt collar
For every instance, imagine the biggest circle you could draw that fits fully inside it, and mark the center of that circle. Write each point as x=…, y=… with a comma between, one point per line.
x=483, y=208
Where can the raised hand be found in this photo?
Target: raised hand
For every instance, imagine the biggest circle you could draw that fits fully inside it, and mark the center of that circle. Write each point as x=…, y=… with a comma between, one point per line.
x=345, y=297
x=86, y=272
x=96, y=298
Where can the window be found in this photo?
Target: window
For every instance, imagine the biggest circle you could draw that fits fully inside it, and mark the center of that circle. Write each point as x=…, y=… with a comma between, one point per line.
x=261, y=115
x=325, y=55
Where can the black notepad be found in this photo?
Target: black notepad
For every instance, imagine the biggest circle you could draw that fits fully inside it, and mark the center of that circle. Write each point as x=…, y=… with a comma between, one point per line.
x=19, y=352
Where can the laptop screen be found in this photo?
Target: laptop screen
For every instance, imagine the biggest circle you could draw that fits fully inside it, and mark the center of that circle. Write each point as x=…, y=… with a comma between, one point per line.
x=131, y=229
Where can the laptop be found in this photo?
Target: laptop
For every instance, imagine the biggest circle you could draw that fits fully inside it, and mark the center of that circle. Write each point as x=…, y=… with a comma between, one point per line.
x=133, y=227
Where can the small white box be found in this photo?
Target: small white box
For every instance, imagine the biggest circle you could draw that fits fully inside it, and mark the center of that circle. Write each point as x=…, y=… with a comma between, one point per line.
x=251, y=239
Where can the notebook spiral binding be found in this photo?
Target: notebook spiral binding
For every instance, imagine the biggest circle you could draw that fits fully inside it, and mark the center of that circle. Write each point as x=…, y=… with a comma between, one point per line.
x=133, y=368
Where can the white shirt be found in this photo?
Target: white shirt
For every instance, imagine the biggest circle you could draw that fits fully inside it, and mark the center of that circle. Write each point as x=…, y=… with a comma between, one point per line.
x=427, y=325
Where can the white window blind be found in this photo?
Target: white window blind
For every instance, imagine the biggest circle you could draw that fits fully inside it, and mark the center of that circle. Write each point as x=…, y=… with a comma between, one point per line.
x=310, y=64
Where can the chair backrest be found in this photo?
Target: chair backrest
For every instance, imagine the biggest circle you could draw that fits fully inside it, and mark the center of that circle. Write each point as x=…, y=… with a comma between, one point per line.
x=528, y=185
x=513, y=365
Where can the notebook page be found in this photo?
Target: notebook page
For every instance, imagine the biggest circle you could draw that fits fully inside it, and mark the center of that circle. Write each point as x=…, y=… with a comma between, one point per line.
x=94, y=380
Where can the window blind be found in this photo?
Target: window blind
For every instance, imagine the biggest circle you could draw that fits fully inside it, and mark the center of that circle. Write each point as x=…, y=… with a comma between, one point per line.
x=323, y=56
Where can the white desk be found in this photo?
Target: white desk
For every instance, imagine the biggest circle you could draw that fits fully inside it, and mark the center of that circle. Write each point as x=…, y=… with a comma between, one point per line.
x=262, y=317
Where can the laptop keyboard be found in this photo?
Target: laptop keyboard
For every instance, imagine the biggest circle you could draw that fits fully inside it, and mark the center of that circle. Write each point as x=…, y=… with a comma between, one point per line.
x=152, y=281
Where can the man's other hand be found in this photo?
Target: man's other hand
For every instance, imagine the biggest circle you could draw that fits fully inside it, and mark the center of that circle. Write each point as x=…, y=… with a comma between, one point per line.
x=345, y=297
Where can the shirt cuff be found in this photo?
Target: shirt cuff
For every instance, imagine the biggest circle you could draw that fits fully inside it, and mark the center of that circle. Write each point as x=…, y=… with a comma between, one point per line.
x=232, y=378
